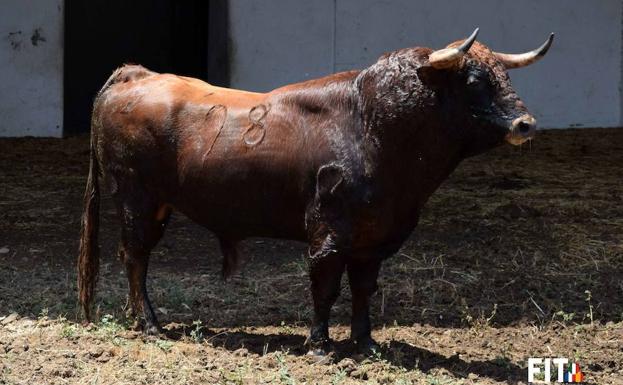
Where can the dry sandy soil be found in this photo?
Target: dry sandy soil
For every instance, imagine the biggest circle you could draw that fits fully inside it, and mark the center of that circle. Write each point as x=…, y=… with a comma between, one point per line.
x=519, y=254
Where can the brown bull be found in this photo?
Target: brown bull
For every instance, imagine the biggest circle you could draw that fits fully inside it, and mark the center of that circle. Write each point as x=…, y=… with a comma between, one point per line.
x=344, y=162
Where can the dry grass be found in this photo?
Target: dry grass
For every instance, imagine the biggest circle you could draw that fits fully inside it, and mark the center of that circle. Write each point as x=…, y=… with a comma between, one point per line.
x=519, y=254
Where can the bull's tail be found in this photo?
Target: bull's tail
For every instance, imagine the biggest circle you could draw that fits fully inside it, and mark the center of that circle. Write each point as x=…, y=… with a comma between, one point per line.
x=88, y=260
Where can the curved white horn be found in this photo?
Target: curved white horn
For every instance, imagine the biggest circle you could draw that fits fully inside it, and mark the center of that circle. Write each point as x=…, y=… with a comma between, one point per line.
x=523, y=59
x=449, y=57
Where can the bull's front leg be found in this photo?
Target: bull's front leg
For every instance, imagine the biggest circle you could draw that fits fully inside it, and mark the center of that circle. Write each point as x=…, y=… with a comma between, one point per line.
x=362, y=278
x=329, y=236
x=326, y=269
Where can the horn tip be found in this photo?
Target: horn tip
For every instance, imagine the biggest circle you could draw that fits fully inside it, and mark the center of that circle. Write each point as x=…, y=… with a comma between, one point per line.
x=469, y=41
x=545, y=47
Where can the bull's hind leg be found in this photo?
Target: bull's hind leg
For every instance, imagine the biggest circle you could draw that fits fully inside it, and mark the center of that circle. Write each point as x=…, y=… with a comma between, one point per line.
x=231, y=257
x=143, y=226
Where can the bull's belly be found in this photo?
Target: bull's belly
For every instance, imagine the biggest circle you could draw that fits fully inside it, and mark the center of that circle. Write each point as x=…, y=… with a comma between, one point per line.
x=274, y=204
x=238, y=213
x=242, y=213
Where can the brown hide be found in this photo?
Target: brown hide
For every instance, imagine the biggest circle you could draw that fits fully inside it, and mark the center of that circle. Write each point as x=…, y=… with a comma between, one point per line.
x=344, y=162
x=240, y=163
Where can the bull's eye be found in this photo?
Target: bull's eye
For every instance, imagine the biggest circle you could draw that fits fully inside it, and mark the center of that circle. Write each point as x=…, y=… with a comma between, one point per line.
x=479, y=91
x=475, y=83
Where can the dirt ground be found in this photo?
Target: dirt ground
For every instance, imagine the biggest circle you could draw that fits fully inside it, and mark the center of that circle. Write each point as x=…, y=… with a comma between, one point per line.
x=519, y=254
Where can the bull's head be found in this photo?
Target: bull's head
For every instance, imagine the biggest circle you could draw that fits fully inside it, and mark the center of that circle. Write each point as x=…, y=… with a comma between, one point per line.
x=475, y=80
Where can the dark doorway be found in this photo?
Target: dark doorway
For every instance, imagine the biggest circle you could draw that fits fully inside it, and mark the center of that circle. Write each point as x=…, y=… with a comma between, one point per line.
x=100, y=35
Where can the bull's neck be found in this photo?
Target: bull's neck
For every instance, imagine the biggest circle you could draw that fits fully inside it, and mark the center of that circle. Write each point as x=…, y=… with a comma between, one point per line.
x=409, y=136
x=423, y=153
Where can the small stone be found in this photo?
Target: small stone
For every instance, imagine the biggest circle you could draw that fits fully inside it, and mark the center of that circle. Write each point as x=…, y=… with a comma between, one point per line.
x=314, y=357
x=89, y=326
x=4, y=250
x=132, y=335
x=347, y=364
x=26, y=323
x=10, y=318
x=360, y=373
x=270, y=361
x=242, y=352
x=103, y=358
x=96, y=352
x=44, y=323
x=64, y=373
x=595, y=367
x=472, y=376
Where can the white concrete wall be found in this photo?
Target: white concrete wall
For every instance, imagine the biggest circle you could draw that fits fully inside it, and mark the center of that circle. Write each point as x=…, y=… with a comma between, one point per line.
x=31, y=68
x=578, y=84
x=280, y=41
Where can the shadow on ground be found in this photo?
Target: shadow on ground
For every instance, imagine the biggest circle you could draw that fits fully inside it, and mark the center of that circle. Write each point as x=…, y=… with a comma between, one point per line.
x=516, y=237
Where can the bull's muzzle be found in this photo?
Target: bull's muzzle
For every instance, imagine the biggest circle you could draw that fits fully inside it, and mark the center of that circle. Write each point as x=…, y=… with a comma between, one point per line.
x=522, y=129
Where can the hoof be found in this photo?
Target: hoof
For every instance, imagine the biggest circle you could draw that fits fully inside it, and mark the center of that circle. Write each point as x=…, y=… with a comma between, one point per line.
x=320, y=356
x=318, y=352
x=320, y=348
x=151, y=330
x=367, y=347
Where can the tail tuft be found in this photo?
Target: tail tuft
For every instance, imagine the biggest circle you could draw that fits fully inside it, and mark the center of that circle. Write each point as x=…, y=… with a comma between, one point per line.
x=88, y=259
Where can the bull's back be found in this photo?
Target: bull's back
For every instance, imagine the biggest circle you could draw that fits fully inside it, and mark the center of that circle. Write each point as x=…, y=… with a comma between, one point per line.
x=230, y=160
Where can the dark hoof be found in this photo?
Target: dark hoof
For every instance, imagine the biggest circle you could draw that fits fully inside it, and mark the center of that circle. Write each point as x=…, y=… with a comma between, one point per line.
x=320, y=356
x=368, y=347
x=320, y=353
x=319, y=348
x=151, y=330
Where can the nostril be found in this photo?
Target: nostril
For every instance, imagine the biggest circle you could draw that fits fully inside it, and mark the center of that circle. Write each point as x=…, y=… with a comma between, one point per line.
x=524, y=127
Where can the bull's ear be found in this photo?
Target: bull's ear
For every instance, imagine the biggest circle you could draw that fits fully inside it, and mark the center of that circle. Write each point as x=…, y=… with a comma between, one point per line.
x=328, y=179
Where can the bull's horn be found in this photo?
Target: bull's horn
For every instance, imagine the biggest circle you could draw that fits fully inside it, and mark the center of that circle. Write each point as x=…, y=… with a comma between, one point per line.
x=523, y=59
x=449, y=57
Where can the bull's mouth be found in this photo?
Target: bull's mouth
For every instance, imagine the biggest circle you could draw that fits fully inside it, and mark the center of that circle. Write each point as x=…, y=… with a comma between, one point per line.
x=521, y=130
x=517, y=140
